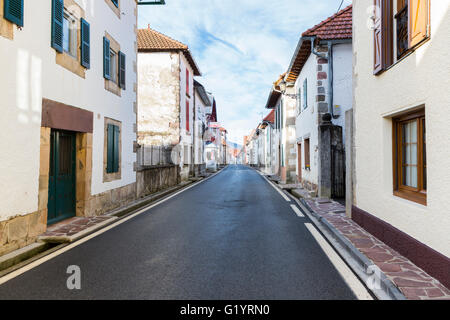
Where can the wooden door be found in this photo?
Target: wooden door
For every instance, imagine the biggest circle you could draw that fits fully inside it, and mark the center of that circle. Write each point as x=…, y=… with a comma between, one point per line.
x=62, y=181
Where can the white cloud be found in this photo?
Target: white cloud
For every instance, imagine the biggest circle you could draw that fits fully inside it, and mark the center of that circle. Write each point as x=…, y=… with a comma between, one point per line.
x=241, y=47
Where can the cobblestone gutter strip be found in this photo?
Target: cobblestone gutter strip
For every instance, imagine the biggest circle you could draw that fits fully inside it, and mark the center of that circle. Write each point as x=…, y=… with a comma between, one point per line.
x=413, y=282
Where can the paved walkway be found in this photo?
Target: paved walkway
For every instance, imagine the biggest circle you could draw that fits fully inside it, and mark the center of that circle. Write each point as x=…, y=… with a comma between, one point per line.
x=414, y=283
x=73, y=226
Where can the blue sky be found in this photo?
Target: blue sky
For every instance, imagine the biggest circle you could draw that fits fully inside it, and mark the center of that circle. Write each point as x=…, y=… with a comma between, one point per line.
x=241, y=47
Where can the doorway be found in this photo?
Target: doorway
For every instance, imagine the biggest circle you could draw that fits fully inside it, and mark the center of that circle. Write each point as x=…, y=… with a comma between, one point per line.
x=62, y=176
x=299, y=162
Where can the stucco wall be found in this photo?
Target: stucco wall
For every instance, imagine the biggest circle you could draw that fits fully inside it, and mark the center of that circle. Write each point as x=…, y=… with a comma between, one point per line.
x=30, y=73
x=421, y=78
x=307, y=120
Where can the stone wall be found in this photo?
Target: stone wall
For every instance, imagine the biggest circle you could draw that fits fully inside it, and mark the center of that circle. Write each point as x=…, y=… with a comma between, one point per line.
x=153, y=179
x=21, y=231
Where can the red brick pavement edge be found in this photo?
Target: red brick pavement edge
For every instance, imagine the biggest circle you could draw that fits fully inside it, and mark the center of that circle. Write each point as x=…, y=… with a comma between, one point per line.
x=411, y=280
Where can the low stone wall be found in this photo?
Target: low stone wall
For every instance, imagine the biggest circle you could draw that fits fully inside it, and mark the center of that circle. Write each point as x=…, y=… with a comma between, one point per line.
x=153, y=179
x=101, y=203
x=199, y=169
x=20, y=231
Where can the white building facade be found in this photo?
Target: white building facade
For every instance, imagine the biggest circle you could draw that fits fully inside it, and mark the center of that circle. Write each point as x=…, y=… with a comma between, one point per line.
x=69, y=117
x=401, y=150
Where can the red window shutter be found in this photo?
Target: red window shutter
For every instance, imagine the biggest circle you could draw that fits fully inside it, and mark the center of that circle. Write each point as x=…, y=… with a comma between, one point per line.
x=187, y=115
x=419, y=15
x=187, y=81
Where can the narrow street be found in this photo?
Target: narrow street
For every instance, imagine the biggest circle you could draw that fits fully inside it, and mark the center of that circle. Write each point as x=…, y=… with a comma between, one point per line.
x=231, y=237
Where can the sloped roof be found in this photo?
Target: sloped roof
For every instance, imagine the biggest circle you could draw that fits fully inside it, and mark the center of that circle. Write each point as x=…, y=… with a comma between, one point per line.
x=270, y=117
x=274, y=94
x=202, y=93
x=338, y=26
x=150, y=40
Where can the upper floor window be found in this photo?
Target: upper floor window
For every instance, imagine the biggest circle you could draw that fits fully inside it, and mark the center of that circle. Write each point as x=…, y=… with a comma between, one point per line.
x=305, y=94
x=187, y=82
x=399, y=27
x=115, y=6
x=70, y=40
x=113, y=61
x=299, y=100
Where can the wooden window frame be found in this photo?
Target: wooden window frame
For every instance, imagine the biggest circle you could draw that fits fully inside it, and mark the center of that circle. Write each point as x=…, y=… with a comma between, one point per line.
x=388, y=14
x=419, y=194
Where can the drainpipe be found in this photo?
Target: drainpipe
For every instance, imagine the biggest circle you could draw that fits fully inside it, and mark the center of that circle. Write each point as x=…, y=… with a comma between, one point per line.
x=329, y=57
x=330, y=79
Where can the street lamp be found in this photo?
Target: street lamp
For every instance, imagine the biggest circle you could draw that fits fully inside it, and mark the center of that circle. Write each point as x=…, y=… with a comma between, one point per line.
x=283, y=88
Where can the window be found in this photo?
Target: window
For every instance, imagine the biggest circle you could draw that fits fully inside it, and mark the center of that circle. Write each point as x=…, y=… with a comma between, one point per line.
x=187, y=82
x=412, y=21
x=187, y=116
x=70, y=35
x=115, y=2
x=299, y=100
x=112, y=145
x=113, y=66
x=410, y=162
x=307, y=154
x=305, y=94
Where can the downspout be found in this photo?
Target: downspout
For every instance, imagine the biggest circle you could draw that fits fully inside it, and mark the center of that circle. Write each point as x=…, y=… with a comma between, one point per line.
x=329, y=57
x=330, y=79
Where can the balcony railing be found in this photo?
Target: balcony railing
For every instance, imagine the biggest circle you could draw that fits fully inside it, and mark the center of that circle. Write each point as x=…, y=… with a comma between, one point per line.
x=402, y=32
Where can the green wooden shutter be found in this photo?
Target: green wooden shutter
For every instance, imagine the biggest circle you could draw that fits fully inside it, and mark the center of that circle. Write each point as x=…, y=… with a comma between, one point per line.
x=13, y=11
x=106, y=59
x=110, y=149
x=57, y=24
x=122, y=70
x=85, y=44
x=116, y=149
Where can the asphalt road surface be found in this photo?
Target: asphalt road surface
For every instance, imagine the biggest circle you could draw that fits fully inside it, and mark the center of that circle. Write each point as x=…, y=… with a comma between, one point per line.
x=230, y=237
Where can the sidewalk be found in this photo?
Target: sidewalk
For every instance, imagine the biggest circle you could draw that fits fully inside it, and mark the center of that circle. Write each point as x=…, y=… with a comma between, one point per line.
x=412, y=281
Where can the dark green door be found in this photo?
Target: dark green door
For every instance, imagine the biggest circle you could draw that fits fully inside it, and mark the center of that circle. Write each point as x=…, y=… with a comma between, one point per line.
x=61, y=189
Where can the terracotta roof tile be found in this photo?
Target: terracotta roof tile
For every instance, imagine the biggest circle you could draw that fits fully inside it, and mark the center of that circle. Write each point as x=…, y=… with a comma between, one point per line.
x=150, y=40
x=270, y=117
x=338, y=26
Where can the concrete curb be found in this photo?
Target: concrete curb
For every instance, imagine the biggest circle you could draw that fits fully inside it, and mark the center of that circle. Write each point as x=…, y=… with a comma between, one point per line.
x=358, y=262
x=26, y=255
x=17, y=256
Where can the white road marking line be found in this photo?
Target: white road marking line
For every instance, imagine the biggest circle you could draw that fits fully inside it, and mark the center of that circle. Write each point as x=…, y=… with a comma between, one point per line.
x=297, y=211
x=273, y=186
x=352, y=281
x=38, y=262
